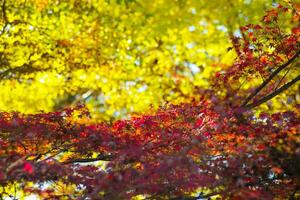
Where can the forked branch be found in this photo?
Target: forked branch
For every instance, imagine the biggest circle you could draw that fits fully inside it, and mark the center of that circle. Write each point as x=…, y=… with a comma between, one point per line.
x=274, y=93
x=258, y=89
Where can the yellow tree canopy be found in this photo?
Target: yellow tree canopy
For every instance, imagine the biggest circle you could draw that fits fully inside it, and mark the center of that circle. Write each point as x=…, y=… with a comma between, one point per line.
x=117, y=56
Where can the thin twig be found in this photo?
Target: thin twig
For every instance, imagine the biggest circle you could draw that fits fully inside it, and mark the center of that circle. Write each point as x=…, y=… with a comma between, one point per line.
x=283, y=76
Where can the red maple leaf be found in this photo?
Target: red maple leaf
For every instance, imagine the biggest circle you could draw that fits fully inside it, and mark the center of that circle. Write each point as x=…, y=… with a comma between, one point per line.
x=28, y=168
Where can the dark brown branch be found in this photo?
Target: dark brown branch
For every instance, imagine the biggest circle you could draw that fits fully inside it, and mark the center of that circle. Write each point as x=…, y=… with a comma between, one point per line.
x=273, y=94
x=279, y=69
x=6, y=22
x=288, y=70
x=185, y=198
x=25, y=69
x=101, y=157
x=201, y=196
x=235, y=43
x=86, y=160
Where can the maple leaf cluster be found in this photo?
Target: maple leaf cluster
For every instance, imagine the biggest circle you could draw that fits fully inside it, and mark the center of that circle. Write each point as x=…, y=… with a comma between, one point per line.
x=176, y=151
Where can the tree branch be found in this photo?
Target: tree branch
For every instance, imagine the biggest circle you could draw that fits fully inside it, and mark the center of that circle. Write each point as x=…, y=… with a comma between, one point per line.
x=201, y=196
x=86, y=160
x=279, y=69
x=24, y=69
x=3, y=7
x=273, y=94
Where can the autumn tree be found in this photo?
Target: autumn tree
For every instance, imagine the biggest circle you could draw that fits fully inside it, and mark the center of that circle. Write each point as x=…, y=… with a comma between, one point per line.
x=236, y=135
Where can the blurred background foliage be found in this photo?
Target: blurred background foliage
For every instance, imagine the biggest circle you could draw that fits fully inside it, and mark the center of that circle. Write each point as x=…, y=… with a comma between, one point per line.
x=119, y=57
